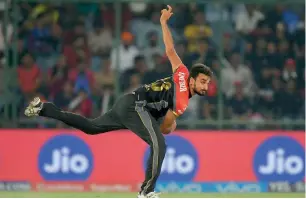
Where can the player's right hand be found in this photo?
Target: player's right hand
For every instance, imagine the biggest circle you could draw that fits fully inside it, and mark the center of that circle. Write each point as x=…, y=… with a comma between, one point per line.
x=168, y=129
x=166, y=14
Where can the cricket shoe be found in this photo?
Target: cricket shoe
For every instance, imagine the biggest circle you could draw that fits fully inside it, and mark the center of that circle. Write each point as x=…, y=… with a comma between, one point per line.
x=34, y=107
x=149, y=195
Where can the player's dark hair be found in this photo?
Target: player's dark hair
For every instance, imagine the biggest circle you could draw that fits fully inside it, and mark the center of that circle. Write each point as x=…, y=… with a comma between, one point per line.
x=200, y=68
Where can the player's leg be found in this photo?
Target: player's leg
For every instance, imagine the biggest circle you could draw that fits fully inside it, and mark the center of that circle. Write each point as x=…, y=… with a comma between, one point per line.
x=104, y=123
x=146, y=127
x=148, y=174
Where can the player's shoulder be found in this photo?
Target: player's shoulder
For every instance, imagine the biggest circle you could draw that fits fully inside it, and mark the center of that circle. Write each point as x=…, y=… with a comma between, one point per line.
x=181, y=68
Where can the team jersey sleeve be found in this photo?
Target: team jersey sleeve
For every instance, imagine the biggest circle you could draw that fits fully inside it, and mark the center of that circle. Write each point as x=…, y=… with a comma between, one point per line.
x=181, y=91
x=182, y=68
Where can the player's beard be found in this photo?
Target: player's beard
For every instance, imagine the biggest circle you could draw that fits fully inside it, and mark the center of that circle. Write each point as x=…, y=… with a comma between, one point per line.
x=201, y=93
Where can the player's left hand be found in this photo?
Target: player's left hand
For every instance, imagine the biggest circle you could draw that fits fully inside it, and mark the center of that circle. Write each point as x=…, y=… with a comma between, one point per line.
x=166, y=14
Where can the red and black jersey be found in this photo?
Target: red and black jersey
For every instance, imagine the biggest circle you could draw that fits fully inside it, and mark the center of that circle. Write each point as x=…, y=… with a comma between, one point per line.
x=168, y=93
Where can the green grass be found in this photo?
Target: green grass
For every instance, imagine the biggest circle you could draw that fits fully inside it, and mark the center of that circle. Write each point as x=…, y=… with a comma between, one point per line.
x=133, y=195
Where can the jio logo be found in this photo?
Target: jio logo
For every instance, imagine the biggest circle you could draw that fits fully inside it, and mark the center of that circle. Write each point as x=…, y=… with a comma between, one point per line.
x=180, y=162
x=280, y=158
x=65, y=157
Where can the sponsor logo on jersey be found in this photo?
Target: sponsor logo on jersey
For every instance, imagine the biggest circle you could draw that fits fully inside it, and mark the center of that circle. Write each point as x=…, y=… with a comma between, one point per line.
x=182, y=82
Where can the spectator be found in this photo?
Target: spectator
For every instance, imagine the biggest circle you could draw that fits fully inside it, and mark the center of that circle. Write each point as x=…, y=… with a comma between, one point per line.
x=259, y=58
x=134, y=82
x=281, y=32
x=46, y=12
x=192, y=112
x=152, y=49
x=277, y=93
x=100, y=43
x=64, y=98
x=181, y=18
x=55, y=39
x=300, y=65
x=215, y=66
x=198, y=30
x=216, y=12
x=248, y=19
x=182, y=52
x=271, y=55
x=69, y=17
x=81, y=104
x=82, y=78
x=106, y=15
x=140, y=68
x=138, y=9
x=290, y=101
x=103, y=99
x=228, y=45
x=147, y=27
x=127, y=53
x=58, y=75
x=38, y=38
x=108, y=98
x=275, y=16
x=284, y=53
x=100, y=40
x=40, y=30
x=239, y=106
x=235, y=72
x=249, y=53
x=105, y=77
x=203, y=53
x=299, y=34
x=78, y=51
x=291, y=20
x=265, y=90
x=152, y=25
x=96, y=98
x=53, y=45
x=160, y=71
x=77, y=32
x=28, y=76
x=289, y=71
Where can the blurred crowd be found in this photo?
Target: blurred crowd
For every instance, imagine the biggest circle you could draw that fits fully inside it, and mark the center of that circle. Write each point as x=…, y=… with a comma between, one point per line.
x=66, y=54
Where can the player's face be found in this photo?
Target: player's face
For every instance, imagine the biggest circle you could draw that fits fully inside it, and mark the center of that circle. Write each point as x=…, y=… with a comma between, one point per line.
x=201, y=84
